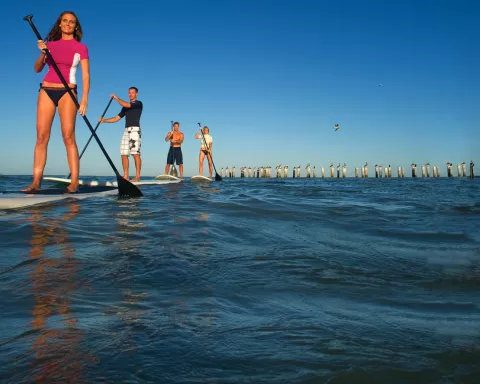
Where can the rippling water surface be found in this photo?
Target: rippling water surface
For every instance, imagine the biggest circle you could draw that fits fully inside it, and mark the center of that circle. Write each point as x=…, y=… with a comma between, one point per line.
x=246, y=280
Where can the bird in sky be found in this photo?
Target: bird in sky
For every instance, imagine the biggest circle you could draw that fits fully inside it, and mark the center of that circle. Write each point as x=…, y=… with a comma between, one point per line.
x=337, y=127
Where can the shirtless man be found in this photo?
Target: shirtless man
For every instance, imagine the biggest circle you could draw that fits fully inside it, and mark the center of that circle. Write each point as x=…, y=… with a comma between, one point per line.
x=175, y=152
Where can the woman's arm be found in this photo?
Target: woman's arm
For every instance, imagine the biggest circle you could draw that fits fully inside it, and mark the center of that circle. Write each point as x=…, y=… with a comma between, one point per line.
x=86, y=86
x=42, y=59
x=40, y=63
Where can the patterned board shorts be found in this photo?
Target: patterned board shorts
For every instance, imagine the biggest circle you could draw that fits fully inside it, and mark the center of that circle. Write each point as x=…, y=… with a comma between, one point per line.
x=131, y=141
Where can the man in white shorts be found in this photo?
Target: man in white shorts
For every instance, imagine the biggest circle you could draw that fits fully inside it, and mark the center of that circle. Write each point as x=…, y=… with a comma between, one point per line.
x=132, y=135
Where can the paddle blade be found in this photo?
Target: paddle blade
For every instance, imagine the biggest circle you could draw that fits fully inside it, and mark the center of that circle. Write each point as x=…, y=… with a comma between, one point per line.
x=218, y=177
x=127, y=189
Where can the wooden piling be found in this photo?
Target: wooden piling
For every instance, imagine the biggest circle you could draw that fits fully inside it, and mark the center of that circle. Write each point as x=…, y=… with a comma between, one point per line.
x=414, y=170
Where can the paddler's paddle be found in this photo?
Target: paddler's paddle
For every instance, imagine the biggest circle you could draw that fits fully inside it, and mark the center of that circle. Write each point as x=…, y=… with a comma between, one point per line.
x=88, y=142
x=217, y=176
x=125, y=187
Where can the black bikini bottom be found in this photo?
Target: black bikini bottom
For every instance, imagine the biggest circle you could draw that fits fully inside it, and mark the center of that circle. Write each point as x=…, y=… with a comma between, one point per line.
x=56, y=94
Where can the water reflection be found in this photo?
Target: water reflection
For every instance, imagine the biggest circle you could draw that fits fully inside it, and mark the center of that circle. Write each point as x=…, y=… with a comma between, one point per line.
x=57, y=348
x=129, y=241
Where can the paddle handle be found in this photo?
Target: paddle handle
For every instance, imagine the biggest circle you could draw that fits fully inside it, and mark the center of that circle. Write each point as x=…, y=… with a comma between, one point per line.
x=201, y=130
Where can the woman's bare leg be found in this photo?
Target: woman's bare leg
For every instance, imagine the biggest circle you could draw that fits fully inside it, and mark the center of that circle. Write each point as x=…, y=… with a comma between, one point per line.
x=67, y=111
x=45, y=115
x=200, y=161
x=210, y=164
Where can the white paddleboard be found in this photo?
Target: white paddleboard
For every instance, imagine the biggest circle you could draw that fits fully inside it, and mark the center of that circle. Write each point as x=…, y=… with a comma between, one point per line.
x=167, y=177
x=13, y=200
x=200, y=178
x=21, y=200
x=96, y=183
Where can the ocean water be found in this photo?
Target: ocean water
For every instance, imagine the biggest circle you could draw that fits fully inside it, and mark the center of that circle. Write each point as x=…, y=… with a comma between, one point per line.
x=245, y=281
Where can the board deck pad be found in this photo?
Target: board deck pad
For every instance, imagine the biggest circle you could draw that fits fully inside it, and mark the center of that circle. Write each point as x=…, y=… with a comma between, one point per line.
x=200, y=178
x=97, y=183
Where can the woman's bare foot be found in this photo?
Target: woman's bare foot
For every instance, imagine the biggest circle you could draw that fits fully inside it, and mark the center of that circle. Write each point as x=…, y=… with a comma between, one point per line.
x=135, y=179
x=72, y=188
x=31, y=187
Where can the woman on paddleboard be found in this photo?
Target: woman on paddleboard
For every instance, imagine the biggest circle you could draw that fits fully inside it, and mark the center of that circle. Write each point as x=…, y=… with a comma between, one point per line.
x=205, y=149
x=63, y=43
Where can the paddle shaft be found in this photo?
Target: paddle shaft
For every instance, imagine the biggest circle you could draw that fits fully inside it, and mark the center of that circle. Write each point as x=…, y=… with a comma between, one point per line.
x=217, y=176
x=90, y=139
x=29, y=19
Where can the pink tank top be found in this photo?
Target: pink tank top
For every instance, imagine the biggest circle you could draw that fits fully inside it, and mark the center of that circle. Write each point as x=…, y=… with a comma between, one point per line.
x=67, y=55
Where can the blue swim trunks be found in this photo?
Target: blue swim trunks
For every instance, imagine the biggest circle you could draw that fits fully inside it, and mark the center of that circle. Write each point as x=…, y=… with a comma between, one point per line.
x=175, y=154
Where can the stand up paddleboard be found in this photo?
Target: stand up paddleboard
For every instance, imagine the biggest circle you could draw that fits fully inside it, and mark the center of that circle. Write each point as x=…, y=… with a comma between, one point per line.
x=96, y=183
x=18, y=199
x=167, y=177
x=200, y=178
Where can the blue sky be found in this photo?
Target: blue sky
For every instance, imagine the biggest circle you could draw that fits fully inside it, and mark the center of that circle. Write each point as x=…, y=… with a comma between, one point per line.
x=270, y=78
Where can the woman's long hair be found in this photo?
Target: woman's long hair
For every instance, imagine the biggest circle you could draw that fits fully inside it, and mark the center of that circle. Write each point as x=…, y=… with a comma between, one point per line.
x=56, y=33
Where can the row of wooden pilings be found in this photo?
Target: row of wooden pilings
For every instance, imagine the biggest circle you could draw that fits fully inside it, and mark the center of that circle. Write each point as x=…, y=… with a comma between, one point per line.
x=341, y=171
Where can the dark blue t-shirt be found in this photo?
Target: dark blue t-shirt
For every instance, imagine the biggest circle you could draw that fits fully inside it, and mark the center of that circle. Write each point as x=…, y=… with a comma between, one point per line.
x=132, y=114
